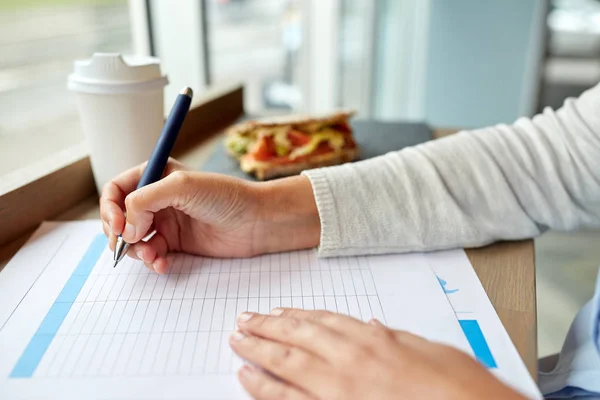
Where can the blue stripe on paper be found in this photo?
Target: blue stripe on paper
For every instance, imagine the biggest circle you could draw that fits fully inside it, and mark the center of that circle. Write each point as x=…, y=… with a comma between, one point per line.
x=39, y=343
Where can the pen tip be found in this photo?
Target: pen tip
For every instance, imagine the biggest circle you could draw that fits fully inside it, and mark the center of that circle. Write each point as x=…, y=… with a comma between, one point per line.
x=187, y=91
x=115, y=264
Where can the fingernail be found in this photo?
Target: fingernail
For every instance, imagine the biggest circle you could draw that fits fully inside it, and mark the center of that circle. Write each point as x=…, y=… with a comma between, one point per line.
x=139, y=254
x=276, y=312
x=129, y=231
x=155, y=267
x=237, y=336
x=244, y=317
x=375, y=322
x=247, y=371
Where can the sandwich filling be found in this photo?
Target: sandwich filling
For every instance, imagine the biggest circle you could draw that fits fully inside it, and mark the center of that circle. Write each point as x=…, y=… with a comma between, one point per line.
x=285, y=144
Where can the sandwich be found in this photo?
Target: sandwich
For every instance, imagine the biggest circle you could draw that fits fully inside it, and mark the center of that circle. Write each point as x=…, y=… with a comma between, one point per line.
x=282, y=146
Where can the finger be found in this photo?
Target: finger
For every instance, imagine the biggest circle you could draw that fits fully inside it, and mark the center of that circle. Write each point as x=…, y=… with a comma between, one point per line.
x=112, y=214
x=300, y=332
x=131, y=252
x=118, y=188
x=358, y=334
x=409, y=339
x=286, y=362
x=420, y=345
x=342, y=324
x=112, y=242
x=112, y=201
x=261, y=386
x=374, y=335
x=112, y=239
x=106, y=229
x=152, y=253
x=175, y=190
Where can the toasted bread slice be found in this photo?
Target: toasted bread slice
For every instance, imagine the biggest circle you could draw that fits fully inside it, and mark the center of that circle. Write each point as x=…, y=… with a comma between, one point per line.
x=295, y=119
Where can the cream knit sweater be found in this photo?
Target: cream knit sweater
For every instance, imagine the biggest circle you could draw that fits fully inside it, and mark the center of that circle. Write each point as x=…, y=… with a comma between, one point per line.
x=470, y=189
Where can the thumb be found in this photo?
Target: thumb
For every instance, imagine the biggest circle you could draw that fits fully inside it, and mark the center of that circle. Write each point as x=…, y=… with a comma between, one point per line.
x=142, y=204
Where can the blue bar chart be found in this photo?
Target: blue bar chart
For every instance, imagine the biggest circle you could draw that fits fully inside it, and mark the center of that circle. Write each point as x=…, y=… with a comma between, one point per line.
x=477, y=341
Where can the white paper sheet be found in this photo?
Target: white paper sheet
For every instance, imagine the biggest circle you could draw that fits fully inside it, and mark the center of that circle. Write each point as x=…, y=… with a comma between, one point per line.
x=72, y=327
x=477, y=316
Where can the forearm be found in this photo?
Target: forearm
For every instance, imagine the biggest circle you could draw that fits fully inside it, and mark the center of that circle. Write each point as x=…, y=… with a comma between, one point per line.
x=288, y=219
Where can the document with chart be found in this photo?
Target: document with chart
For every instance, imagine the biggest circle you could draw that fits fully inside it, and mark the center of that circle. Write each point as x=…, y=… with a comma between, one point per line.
x=74, y=327
x=488, y=339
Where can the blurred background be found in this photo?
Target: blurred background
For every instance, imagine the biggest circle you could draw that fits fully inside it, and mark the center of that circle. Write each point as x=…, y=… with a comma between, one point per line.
x=451, y=63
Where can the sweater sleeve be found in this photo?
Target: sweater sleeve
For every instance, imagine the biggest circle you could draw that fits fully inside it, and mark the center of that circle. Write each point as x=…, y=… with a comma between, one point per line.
x=504, y=182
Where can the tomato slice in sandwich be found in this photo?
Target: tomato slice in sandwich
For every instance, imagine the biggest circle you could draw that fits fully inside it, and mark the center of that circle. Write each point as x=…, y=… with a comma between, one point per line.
x=342, y=127
x=298, y=138
x=323, y=148
x=265, y=149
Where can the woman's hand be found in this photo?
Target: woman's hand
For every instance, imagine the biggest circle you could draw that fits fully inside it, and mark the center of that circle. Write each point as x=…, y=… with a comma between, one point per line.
x=319, y=355
x=208, y=214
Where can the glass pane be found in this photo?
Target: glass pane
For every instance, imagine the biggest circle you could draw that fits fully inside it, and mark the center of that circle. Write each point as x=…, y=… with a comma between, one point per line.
x=573, y=54
x=574, y=28
x=39, y=40
x=356, y=53
x=258, y=42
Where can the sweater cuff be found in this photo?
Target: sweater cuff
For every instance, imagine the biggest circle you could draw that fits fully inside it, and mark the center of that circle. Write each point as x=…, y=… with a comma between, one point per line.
x=330, y=228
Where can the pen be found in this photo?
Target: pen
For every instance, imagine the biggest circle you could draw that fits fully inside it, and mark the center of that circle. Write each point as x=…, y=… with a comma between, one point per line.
x=160, y=155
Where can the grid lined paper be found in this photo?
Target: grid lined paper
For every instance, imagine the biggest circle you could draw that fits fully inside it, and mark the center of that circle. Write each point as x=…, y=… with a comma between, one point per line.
x=127, y=321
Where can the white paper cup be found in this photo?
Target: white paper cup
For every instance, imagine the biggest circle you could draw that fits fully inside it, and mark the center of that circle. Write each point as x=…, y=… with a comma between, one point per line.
x=121, y=107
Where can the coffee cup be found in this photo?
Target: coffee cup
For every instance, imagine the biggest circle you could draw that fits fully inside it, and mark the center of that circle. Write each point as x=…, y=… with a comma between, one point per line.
x=121, y=108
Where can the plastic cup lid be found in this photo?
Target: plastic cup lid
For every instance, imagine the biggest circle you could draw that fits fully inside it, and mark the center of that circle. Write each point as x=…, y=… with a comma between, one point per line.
x=112, y=73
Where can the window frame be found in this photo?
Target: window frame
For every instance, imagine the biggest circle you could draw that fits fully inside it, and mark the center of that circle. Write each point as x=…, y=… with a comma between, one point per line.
x=176, y=36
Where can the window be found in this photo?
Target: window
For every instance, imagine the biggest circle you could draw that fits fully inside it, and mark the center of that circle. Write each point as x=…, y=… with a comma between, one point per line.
x=294, y=55
x=39, y=40
x=572, y=62
x=291, y=55
x=260, y=43
x=357, y=53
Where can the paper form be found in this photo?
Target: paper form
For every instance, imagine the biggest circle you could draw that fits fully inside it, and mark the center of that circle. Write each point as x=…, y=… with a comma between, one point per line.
x=488, y=339
x=73, y=326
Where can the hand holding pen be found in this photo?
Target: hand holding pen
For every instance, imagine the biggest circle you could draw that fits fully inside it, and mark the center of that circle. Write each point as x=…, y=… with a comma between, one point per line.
x=160, y=155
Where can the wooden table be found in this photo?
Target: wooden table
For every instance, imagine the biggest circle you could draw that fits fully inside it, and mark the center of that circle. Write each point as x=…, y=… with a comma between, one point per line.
x=506, y=270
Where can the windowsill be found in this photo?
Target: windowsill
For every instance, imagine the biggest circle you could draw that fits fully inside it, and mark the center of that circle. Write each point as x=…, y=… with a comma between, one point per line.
x=18, y=178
